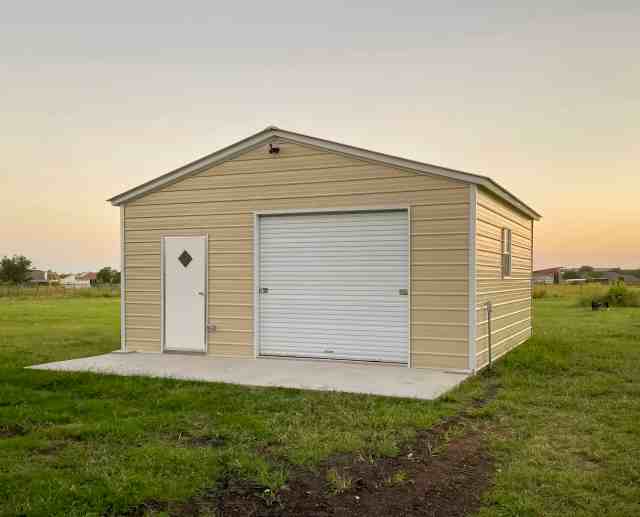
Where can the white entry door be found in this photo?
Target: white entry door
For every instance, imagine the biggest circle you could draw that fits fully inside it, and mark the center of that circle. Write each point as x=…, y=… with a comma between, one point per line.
x=185, y=293
x=335, y=286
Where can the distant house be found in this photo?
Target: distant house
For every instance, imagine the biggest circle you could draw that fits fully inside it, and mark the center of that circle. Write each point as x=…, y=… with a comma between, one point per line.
x=74, y=281
x=552, y=275
x=91, y=277
x=37, y=276
x=40, y=277
x=81, y=280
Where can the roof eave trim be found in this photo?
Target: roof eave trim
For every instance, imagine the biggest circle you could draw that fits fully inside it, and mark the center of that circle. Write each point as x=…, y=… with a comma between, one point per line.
x=405, y=163
x=272, y=132
x=499, y=191
x=222, y=155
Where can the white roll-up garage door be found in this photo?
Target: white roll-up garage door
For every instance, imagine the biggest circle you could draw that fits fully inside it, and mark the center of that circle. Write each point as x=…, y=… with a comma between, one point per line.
x=334, y=285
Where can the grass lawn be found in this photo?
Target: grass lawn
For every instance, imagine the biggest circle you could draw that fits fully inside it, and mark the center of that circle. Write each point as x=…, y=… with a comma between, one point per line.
x=562, y=429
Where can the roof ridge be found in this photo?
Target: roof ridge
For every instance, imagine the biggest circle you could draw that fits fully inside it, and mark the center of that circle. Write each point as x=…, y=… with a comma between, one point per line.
x=252, y=141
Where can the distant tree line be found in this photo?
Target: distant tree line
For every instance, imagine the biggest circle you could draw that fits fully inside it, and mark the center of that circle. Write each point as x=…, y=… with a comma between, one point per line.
x=108, y=275
x=590, y=272
x=17, y=270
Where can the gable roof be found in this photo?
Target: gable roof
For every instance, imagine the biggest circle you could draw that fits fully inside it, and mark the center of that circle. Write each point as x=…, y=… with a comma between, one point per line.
x=270, y=133
x=557, y=269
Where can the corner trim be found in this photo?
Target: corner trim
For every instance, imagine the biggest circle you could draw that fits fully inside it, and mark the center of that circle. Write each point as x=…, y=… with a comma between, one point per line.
x=206, y=294
x=162, y=297
x=256, y=285
x=410, y=287
x=531, y=281
x=472, y=307
x=123, y=282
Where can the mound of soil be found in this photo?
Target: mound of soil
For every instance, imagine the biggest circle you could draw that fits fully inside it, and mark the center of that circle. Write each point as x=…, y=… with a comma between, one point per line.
x=443, y=472
x=429, y=478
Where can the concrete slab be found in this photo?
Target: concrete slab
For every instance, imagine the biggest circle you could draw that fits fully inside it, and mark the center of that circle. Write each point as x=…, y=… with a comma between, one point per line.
x=392, y=381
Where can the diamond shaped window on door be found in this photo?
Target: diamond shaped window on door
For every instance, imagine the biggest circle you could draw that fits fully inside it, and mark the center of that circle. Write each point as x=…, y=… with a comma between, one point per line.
x=185, y=258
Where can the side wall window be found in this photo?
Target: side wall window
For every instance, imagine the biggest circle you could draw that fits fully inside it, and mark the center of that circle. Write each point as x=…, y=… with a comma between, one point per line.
x=506, y=252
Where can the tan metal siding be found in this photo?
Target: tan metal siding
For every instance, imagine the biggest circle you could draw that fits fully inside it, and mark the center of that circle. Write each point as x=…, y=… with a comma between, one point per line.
x=510, y=297
x=220, y=202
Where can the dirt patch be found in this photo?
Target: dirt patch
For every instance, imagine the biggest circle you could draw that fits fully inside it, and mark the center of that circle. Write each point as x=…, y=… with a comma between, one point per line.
x=588, y=461
x=11, y=430
x=490, y=393
x=188, y=440
x=50, y=450
x=443, y=471
x=205, y=504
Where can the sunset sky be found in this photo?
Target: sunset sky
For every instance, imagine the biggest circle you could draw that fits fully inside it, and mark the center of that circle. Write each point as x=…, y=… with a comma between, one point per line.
x=96, y=98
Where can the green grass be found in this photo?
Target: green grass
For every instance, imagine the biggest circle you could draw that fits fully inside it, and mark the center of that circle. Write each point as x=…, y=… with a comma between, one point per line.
x=58, y=291
x=91, y=444
x=619, y=294
x=574, y=291
x=565, y=426
x=567, y=418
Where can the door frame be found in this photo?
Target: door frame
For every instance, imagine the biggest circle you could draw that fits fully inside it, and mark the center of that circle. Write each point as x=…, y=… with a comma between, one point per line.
x=205, y=341
x=257, y=268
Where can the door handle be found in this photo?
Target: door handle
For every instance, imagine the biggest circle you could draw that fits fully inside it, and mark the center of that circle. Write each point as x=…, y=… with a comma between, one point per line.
x=403, y=292
x=201, y=293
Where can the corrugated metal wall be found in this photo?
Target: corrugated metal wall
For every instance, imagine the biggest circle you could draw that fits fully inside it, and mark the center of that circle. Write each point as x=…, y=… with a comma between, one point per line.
x=221, y=201
x=510, y=297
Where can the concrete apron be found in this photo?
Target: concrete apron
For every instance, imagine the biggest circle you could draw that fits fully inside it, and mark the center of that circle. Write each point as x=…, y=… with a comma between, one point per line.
x=372, y=379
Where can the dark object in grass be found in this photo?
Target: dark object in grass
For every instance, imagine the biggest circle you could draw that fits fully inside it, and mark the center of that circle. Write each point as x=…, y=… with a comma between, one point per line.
x=618, y=295
x=598, y=305
x=11, y=430
x=189, y=440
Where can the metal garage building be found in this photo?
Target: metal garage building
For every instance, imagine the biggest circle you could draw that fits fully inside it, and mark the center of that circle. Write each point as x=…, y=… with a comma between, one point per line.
x=289, y=245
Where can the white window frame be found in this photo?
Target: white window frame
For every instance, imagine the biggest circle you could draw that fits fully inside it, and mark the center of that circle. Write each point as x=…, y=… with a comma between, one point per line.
x=506, y=265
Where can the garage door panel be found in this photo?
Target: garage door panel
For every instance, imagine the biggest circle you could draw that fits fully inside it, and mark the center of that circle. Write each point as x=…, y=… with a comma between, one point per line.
x=364, y=301
x=297, y=231
x=327, y=220
x=339, y=243
x=334, y=284
x=337, y=312
x=321, y=311
x=331, y=348
x=320, y=328
x=328, y=253
x=328, y=271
